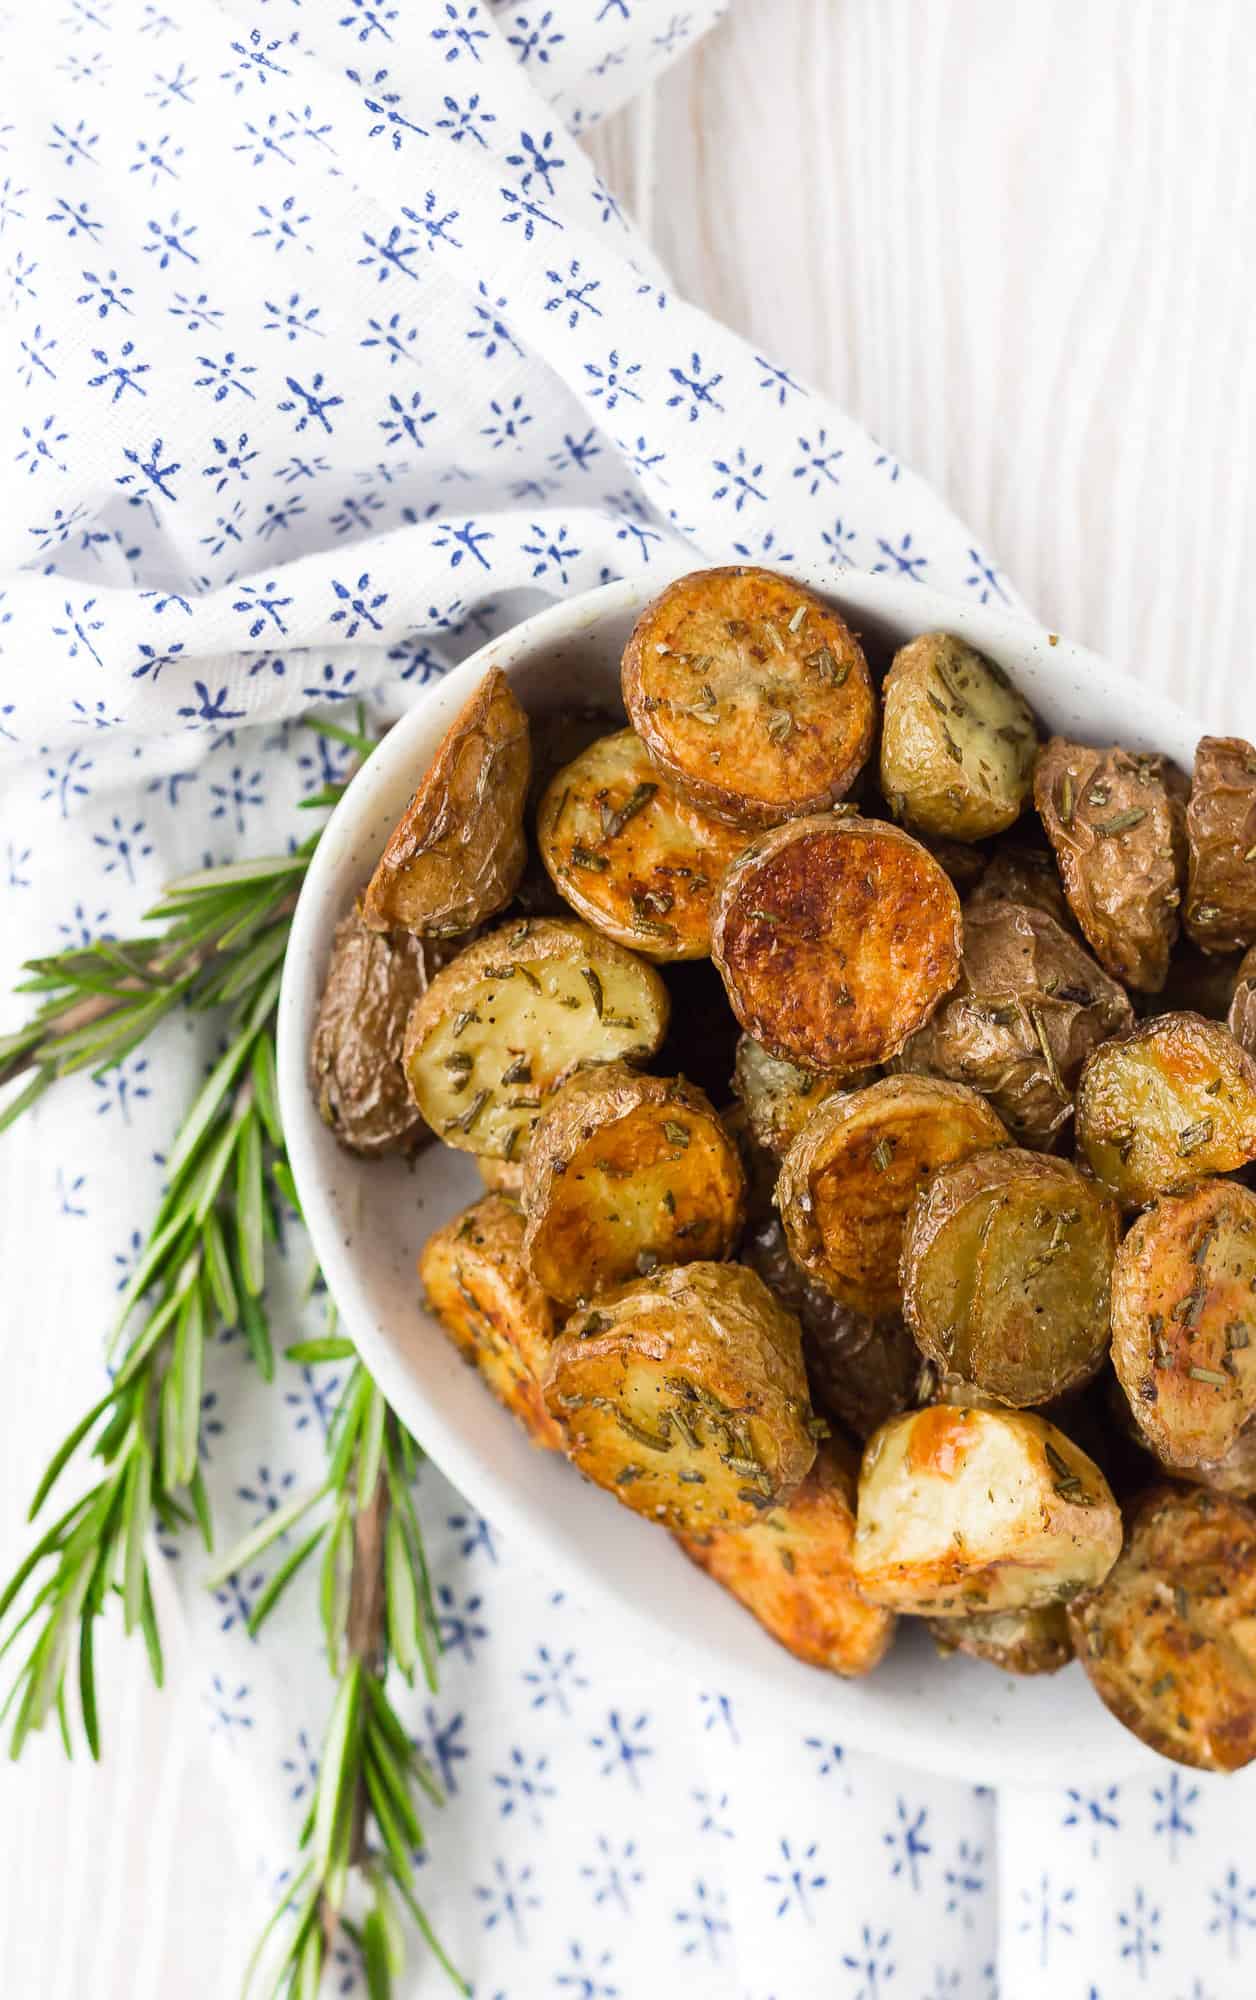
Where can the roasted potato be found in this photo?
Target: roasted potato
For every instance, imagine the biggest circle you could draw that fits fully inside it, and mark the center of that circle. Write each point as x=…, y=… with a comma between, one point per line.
x=957, y=741
x=851, y=1175
x=458, y=850
x=1164, y=1106
x=684, y=1395
x=964, y=1510
x=778, y=1096
x=1169, y=1638
x=836, y=937
x=355, y=1068
x=1028, y=875
x=1018, y=1642
x=1220, y=910
x=1117, y=825
x=791, y=1568
x=1006, y=1272
x=750, y=694
x=963, y=861
x=500, y=1176
x=523, y=1007
x=476, y=1281
x=626, y=1172
x=1241, y=1017
x=1235, y=1473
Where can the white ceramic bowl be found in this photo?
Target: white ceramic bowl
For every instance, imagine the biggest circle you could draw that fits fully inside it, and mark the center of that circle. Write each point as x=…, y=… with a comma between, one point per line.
x=368, y=1220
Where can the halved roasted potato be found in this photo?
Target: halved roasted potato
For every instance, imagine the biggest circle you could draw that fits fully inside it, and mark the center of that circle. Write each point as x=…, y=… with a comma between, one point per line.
x=964, y=1510
x=836, y=937
x=854, y=1170
x=778, y=1096
x=626, y=1172
x=1028, y=875
x=1164, y=1106
x=1007, y=1271
x=1168, y=1640
x=684, y=1395
x=501, y=1026
x=477, y=1282
x=791, y=1568
x=355, y=1069
x=750, y=694
x=1220, y=911
x=458, y=850
x=1017, y=1642
x=1241, y=1018
x=957, y=741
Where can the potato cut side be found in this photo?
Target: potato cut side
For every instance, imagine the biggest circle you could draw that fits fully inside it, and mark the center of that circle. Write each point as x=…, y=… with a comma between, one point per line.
x=779, y=1097
x=836, y=937
x=626, y=1172
x=355, y=1066
x=750, y=694
x=1017, y=1642
x=522, y=1008
x=684, y=1395
x=957, y=741
x=964, y=1510
x=1165, y=1106
x=1220, y=910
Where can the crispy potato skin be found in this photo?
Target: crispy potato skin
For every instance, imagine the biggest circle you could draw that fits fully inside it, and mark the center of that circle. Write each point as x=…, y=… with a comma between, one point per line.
x=1220, y=912
x=1169, y=1639
x=1241, y=1018
x=751, y=695
x=625, y=1172
x=1006, y=1271
x=1027, y=875
x=355, y=1066
x=779, y=1097
x=1017, y=1642
x=850, y=1177
x=792, y=1571
x=478, y=1285
x=1166, y=1105
x=1122, y=875
x=957, y=742
x=458, y=850
x=836, y=937
x=684, y=1395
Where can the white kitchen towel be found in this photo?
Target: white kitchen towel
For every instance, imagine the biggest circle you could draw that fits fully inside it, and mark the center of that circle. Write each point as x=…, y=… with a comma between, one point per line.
x=328, y=354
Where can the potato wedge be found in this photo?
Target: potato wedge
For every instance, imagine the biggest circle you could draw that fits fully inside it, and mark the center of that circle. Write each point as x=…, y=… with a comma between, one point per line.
x=1220, y=909
x=626, y=1172
x=477, y=1283
x=750, y=694
x=1117, y=825
x=1028, y=875
x=836, y=937
x=957, y=741
x=1007, y=1272
x=853, y=1172
x=501, y=1026
x=778, y=1096
x=458, y=850
x=1168, y=1640
x=1164, y=1106
x=1241, y=1017
x=356, y=1075
x=791, y=1569
x=684, y=1395
x=1017, y=1642
x=964, y=1510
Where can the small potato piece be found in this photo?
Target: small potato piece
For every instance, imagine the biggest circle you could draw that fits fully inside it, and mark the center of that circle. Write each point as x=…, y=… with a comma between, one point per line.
x=500, y=1176
x=750, y=694
x=1007, y=1268
x=1164, y=1106
x=684, y=1395
x=963, y=861
x=501, y=1026
x=778, y=1096
x=957, y=741
x=1018, y=1642
x=456, y=854
x=626, y=1172
x=964, y=1510
x=1220, y=912
x=852, y=1174
x=477, y=1283
x=633, y=857
x=836, y=937
x=1169, y=1639
x=1199, y=982
x=1235, y=1473
x=1241, y=1019
x=355, y=1069
x=792, y=1570
x=1027, y=875
x=1116, y=823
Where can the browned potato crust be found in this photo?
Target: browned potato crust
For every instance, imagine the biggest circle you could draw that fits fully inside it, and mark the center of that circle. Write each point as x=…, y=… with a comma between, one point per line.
x=1220, y=912
x=1028, y=875
x=355, y=1068
x=1169, y=1639
x=1241, y=1018
x=751, y=695
x=1164, y=1106
x=957, y=741
x=836, y=937
x=1018, y=1642
x=779, y=1097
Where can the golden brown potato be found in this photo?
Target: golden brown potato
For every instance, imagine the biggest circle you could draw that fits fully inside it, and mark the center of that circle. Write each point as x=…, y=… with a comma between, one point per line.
x=626, y=1172
x=957, y=741
x=458, y=850
x=836, y=937
x=1007, y=1269
x=1164, y=1106
x=1169, y=1639
x=778, y=1096
x=750, y=694
x=1220, y=912
x=1017, y=1642
x=1241, y=1018
x=851, y=1175
x=963, y=1510
x=1028, y=875
x=1117, y=825
x=791, y=1568
x=478, y=1285
x=355, y=1067
x=684, y=1395
x=501, y=1026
